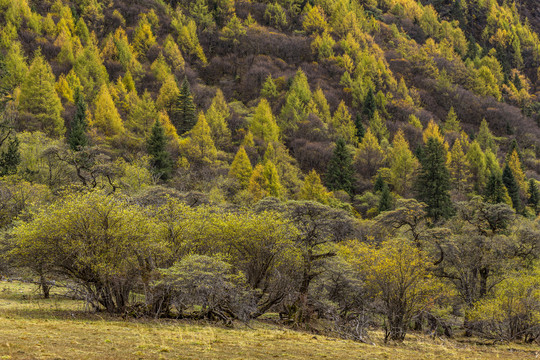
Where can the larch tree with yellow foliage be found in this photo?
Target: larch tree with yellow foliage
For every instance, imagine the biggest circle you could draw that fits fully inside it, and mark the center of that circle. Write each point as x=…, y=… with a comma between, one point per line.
x=459, y=166
x=39, y=99
x=402, y=163
x=263, y=124
x=369, y=155
x=199, y=146
x=217, y=115
x=241, y=168
x=106, y=117
x=314, y=190
x=343, y=125
x=515, y=165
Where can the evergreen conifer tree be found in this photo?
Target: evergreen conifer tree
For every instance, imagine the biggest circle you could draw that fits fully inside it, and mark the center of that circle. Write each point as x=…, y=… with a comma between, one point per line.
x=512, y=187
x=369, y=107
x=495, y=191
x=339, y=175
x=379, y=183
x=10, y=158
x=385, y=201
x=77, y=135
x=433, y=182
x=360, y=129
x=183, y=114
x=534, y=195
x=160, y=159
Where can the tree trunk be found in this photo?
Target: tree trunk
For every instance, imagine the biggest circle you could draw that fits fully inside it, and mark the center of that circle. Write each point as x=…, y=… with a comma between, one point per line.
x=45, y=287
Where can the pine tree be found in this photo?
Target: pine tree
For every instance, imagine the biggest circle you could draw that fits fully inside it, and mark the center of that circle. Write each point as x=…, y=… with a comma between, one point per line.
x=143, y=38
x=273, y=182
x=15, y=66
x=534, y=196
x=322, y=107
x=343, y=126
x=263, y=125
x=458, y=165
x=477, y=166
x=258, y=183
x=160, y=159
x=106, y=116
x=295, y=108
x=369, y=156
x=200, y=146
x=10, y=158
x=432, y=131
x=339, y=175
x=241, y=168
x=512, y=187
x=495, y=191
x=517, y=170
x=217, y=116
x=485, y=138
x=433, y=182
x=402, y=163
x=39, y=98
x=313, y=189
x=168, y=93
x=379, y=183
x=183, y=113
x=269, y=89
x=378, y=126
x=77, y=138
x=452, y=123
x=360, y=129
x=370, y=106
x=385, y=201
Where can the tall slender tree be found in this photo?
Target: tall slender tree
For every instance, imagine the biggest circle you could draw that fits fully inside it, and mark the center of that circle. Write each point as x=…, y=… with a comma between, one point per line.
x=534, y=195
x=433, y=182
x=183, y=112
x=160, y=159
x=77, y=138
x=339, y=175
x=512, y=187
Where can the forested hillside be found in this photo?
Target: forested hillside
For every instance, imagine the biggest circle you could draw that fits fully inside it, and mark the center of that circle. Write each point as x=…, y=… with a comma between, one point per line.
x=349, y=164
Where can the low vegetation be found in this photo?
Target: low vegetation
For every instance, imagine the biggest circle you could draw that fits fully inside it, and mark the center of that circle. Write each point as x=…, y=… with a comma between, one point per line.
x=59, y=328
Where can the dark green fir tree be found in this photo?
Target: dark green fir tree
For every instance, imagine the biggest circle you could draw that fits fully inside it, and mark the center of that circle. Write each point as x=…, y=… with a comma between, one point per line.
x=534, y=195
x=184, y=111
x=339, y=175
x=433, y=181
x=495, y=191
x=160, y=159
x=385, y=201
x=360, y=130
x=370, y=105
x=512, y=187
x=77, y=138
x=379, y=184
x=10, y=158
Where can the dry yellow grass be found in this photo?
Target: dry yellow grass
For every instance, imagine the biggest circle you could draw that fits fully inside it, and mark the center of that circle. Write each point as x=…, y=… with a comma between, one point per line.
x=33, y=328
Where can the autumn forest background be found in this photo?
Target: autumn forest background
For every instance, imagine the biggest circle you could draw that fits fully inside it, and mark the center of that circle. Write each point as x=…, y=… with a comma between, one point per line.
x=345, y=166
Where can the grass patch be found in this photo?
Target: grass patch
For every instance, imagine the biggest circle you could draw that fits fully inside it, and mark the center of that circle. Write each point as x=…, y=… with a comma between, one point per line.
x=59, y=328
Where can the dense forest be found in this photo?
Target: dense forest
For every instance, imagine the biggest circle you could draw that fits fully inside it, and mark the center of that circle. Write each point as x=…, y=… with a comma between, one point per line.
x=351, y=165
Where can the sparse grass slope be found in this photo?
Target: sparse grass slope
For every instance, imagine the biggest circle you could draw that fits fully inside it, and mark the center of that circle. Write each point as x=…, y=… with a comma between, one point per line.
x=58, y=328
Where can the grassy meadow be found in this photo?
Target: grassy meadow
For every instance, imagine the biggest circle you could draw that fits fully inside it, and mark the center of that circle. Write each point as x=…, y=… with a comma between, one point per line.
x=60, y=328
